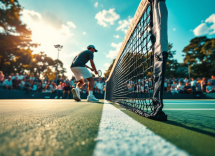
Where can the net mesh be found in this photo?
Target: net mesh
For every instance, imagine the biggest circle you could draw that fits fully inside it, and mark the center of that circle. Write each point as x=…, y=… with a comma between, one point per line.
x=132, y=83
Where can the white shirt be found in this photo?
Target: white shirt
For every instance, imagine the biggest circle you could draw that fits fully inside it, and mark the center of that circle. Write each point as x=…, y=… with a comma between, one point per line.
x=175, y=89
x=99, y=85
x=7, y=82
x=185, y=81
x=60, y=87
x=180, y=87
x=193, y=83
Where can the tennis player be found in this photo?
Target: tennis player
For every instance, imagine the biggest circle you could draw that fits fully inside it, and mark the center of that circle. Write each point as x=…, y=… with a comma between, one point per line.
x=80, y=71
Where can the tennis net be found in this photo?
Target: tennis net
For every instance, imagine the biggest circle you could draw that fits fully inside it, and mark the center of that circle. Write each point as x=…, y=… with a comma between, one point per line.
x=137, y=77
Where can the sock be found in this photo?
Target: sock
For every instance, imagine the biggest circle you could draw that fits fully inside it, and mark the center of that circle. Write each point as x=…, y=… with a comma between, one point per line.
x=90, y=93
x=78, y=89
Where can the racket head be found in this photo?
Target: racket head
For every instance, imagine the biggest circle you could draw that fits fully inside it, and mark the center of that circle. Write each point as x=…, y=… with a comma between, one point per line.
x=99, y=73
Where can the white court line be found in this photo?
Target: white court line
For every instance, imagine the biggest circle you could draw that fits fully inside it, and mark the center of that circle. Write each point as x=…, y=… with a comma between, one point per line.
x=120, y=135
x=189, y=103
x=188, y=109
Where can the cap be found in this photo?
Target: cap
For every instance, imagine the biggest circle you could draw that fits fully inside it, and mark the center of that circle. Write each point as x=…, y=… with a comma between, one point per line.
x=92, y=46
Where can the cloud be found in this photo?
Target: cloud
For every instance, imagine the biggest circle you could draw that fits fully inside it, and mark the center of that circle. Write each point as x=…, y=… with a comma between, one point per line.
x=49, y=18
x=96, y=4
x=107, y=17
x=113, y=53
x=107, y=65
x=46, y=33
x=116, y=36
x=124, y=24
x=174, y=29
x=204, y=28
x=70, y=24
x=84, y=33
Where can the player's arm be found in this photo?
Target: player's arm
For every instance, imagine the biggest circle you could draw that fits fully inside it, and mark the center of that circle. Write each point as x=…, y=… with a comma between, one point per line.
x=93, y=66
x=89, y=68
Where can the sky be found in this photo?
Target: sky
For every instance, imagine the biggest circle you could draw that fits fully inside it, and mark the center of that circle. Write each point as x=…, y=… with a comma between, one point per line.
x=104, y=23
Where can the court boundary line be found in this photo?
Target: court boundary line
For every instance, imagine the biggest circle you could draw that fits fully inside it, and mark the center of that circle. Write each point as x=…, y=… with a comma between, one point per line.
x=119, y=134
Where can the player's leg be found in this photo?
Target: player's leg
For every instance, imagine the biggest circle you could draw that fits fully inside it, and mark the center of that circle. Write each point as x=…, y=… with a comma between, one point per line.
x=78, y=77
x=91, y=97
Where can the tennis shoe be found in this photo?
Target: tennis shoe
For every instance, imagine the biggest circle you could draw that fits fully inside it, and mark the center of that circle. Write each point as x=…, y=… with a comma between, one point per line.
x=92, y=98
x=76, y=95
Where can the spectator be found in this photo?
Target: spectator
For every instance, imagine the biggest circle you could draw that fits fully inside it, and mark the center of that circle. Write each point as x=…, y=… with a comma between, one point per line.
x=59, y=91
x=99, y=87
x=193, y=85
x=37, y=80
x=8, y=83
x=39, y=87
x=54, y=87
x=20, y=77
x=174, y=90
x=168, y=88
x=12, y=76
x=34, y=87
x=66, y=89
x=174, y=84
x=14, y=81
x=186, y=80
x=22, y=84
x=203, y=84
x=210, y=88
x=165, y=86
x=180, y=88
x=213, y=80
x=84, y=89
x=187, y=88
x=198, y=86
x=72, y=81
x=1, y=77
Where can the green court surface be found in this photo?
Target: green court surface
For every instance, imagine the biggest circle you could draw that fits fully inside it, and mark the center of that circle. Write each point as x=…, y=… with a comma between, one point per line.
x=66, y=127
x=48, y=127
x=189, y=126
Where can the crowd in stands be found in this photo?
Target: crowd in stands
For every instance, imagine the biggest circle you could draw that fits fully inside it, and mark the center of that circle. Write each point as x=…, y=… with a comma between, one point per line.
x=175, y=85
x=192, y=86
x=32, y=84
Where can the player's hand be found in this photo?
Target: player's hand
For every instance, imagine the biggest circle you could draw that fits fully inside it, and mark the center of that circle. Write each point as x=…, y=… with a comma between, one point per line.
x=96, y=72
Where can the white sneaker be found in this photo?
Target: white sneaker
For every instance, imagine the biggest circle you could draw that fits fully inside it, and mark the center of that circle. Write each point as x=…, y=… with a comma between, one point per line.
x=56, y=97
x=76, y=93
x=61, y=97
x=92, y=98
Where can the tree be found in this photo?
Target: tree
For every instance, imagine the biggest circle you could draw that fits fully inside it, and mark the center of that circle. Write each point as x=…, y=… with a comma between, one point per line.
x=109, y=69
x=172, y=64
x=200, y=55
x=15, y=40
x=49, y=74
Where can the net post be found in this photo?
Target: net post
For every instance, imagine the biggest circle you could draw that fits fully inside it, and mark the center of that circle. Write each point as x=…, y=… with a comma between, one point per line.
x=160, y=48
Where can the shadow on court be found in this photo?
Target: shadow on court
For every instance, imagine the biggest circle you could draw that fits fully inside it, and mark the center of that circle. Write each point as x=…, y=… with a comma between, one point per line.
x=199, y=121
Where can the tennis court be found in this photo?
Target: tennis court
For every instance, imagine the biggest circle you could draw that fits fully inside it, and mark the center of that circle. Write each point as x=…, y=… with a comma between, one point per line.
x=65, y=127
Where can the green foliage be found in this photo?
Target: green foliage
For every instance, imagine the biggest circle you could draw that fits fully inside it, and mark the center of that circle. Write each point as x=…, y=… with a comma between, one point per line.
x=200, y=55
x=15, y=44
x=109, y=69
x=15, y=40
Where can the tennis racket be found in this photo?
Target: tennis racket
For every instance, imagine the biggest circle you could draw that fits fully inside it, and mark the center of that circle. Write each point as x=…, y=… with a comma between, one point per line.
x=99, y=73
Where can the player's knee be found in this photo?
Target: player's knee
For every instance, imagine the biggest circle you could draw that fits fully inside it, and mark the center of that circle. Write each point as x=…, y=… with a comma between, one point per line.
x=90, y=79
